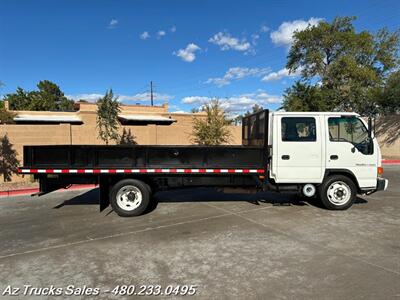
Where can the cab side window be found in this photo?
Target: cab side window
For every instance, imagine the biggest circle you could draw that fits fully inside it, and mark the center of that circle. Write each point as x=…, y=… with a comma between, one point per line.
x=295, y=129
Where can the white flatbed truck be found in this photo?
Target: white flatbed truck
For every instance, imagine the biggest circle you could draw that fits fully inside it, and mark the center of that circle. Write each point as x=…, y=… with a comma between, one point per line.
x=331, y=155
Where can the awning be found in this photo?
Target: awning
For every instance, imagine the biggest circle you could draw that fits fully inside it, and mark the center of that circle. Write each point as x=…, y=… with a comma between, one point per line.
x=145, y=119
x=24, y=118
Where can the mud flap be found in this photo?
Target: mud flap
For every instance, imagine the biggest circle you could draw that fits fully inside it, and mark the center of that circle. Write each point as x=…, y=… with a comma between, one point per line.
x=104, y=193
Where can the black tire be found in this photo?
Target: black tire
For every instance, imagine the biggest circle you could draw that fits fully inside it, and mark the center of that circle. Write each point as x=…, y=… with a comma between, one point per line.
x=337, y=192
x=122, y=190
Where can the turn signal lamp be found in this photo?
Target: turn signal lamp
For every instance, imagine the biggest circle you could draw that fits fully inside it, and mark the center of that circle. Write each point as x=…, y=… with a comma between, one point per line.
x=380, y=171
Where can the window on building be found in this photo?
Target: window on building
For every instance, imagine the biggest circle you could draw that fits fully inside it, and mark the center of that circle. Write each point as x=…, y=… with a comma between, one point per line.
x=295, y=129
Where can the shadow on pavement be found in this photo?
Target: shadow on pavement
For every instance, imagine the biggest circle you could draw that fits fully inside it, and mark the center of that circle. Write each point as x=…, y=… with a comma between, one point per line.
x=89, y=197
x=208, y=195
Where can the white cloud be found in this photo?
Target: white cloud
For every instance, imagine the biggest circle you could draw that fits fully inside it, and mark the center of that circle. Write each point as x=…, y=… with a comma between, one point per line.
x=173, y=29
x=161, y=33
x=237, y=103
x=113, y=23
x=264, y=28
x=273, y=76
x=189, y=53
x=226, y=42
x=237, y=73
x=121, y=97
x=145, y=35
x=284, y=35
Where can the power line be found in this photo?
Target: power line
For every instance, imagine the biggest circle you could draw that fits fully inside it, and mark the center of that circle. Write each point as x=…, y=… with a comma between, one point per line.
x=151, y=92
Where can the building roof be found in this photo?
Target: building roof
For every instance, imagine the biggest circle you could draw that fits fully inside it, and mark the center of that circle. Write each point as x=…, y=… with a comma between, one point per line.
x=34, y=118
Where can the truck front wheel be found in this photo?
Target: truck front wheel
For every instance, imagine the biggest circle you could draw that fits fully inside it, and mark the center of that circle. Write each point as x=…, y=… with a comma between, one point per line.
x=129, y=197
x=337, y=192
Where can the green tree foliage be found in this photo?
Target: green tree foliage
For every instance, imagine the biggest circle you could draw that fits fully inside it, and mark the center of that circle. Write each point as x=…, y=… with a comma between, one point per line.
x=389, y=96
x=127, y=138
x=213, y=129
x=48, y=97
x=108, y=108
x=6, y=117
x=8, y=159
x=345, y=66
x=305, y=97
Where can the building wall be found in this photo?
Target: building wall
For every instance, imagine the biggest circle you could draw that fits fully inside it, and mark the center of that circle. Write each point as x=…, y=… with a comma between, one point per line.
x=178, y=133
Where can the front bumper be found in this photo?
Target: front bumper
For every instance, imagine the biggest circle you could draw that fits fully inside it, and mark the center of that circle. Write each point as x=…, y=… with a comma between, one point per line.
x=381, y=184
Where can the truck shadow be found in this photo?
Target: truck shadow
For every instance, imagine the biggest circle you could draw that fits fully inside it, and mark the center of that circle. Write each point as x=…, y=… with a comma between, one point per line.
x=207, y=195
x=212, y=195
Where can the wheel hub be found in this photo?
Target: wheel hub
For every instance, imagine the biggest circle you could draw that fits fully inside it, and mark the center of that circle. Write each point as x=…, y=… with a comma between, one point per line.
x=339, y=193
x=129, y=197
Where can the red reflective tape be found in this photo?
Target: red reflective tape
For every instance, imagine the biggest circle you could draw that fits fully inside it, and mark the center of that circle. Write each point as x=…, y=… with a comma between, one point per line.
x=246, y=171
x=188, y=171
x=112, y=171
x=96, y=171
x=81, y=171
x=143, y=171
x=49, y=171
x=231, y=171
x=202, y=170
x=158, y=171
x=217, y=171
x=172, y=170
x=260, y=171
x=34, y=170
x=127, y=171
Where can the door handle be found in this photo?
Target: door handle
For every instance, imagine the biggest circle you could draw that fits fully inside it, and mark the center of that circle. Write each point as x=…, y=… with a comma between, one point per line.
x=285, y=157
x=334, y=157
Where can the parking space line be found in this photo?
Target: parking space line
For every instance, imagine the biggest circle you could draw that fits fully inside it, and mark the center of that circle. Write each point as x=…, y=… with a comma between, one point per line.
x=304, y=241
x=112, y=236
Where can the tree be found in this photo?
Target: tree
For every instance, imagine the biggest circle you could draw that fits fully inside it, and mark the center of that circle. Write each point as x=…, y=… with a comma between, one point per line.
x=127, y=138
x=213, y=129
x=107, y=117
x=8, y=159
x=6, y=117
x=48, y=97
x=305, y=97
x=389, y=96
x=343, y=64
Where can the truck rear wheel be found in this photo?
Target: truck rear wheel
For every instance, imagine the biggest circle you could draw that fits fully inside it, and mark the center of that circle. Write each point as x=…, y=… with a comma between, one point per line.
x=337, y=192
x=130, y=197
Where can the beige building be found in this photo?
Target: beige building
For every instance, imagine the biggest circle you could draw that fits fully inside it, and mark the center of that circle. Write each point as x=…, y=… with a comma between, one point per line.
x=150, y=125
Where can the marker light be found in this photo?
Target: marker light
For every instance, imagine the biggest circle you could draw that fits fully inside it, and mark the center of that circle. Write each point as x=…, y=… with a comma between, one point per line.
x=380, y=170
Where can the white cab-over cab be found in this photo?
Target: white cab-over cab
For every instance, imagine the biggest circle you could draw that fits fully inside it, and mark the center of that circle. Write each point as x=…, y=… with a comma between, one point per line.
x=333, y=154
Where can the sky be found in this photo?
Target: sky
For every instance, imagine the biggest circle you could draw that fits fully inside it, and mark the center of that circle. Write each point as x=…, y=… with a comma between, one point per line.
x=192, y=51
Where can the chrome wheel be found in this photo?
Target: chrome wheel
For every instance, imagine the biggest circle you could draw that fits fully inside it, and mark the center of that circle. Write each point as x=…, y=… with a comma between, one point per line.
x=129, y=197
x=338, y=193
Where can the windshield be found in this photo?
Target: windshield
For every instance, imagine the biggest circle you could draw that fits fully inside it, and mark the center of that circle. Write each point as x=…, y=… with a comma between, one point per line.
x=347, y=129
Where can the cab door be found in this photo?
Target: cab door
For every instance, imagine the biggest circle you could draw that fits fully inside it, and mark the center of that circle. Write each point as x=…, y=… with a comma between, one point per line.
x=349, y=148
x=299, y=149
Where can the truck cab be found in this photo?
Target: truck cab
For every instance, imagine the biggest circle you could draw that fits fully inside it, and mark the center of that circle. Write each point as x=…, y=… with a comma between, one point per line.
x=333, y=154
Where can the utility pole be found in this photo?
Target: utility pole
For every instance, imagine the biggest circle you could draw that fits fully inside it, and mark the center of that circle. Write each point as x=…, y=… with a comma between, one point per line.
x=151, y=92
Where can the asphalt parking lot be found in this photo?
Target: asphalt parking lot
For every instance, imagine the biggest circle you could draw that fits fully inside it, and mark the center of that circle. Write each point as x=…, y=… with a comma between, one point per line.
x=230, y=246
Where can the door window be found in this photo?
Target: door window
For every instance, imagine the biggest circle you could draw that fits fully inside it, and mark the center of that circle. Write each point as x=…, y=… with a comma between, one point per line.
x=352, y=130
x=296, y=129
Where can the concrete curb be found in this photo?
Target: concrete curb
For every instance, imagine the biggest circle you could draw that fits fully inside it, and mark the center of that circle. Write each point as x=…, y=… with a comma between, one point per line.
x=393, y=162
x=36, y=190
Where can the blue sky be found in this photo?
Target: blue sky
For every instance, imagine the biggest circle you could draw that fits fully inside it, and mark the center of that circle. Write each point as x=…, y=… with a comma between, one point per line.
x=191, y=50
